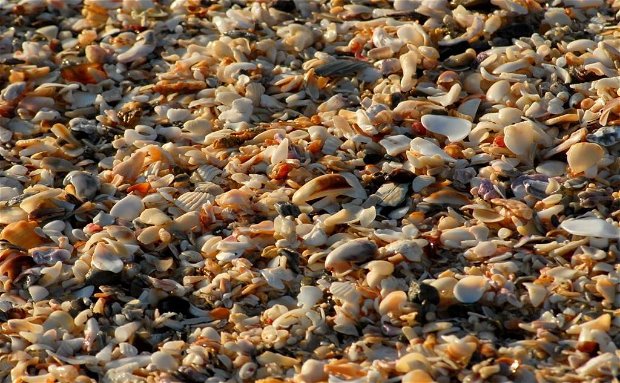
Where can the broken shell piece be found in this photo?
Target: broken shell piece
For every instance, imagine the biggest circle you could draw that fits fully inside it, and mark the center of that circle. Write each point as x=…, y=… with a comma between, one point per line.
x=584, y=155
x=519, y=138
x=329, y=185
x=353, y=252
x=591, y=227
x=456, y=129
x=22, y=234
x=470, y=289
x=427, y=148
x=447, y=196
x=394, y=145
x=537, y=293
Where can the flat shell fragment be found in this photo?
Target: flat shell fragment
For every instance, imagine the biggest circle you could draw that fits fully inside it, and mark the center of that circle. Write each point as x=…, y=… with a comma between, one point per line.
x=591, y=227
x=456, y=129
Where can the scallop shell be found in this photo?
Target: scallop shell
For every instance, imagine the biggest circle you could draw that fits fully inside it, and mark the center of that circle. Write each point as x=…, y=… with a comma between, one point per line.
x=193, y=201
x=456, y=129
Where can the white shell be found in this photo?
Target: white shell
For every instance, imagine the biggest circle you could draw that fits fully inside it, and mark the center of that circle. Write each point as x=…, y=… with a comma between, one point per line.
x=154, y=216
x=394, y=145
x=519, y=138
x=591, y=227
x=128, y=208
x=192, y=201
x=105, y=259
x=427, y=148
x=309, y=295
x=456, y=129
x=470, y=289
x=583, y=155
x=498, y=91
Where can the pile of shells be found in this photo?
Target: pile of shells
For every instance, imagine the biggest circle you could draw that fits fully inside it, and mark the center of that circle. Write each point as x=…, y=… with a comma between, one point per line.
x=309, y=191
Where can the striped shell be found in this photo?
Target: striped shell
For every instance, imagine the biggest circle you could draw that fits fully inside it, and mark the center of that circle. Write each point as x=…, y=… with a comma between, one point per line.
x=207, y=173
x=192, y=201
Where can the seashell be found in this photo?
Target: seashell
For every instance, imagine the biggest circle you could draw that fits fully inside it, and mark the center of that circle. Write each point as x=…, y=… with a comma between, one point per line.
x=49, y=255
x=329, y=185
x=235, y=199
x=352, y=252
x=378, y=270
x=104, y=258
x=22, y=234
x=164, y=361
x=126, y=331
x=456, y=129
x=487, y=215
x=141, y=49
x=470, y=289
x=128, y=208
x=389, y=194
x=498, y=91
x=470, y=107
x=411, y=362
x=130, y=168
x=193, y=201
x=449, y=98
x=552, y=168
x=85, y=185
x=393, y=303
x=395, y=145
x=591, y=227
x=461, y=61
x=519, y=138
x=605, y=136
x=340, y=68
x=584, y=155
x=417, y=376
x=308, y=296
x=427, y=148
x=447, y=196
x=536, y=293
x=154, y=216
x=313, y=371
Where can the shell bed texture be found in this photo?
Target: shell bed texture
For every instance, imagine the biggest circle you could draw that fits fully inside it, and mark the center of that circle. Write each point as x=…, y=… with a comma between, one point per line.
x=309, y=191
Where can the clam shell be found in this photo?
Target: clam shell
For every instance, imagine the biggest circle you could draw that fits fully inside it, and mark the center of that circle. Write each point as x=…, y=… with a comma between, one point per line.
x=128, y=208
x=356, y=251
x=591, y=227
x=104, y=258
x=584, y=155
x=456, y=129
x=519, y=138
x=470, y=289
